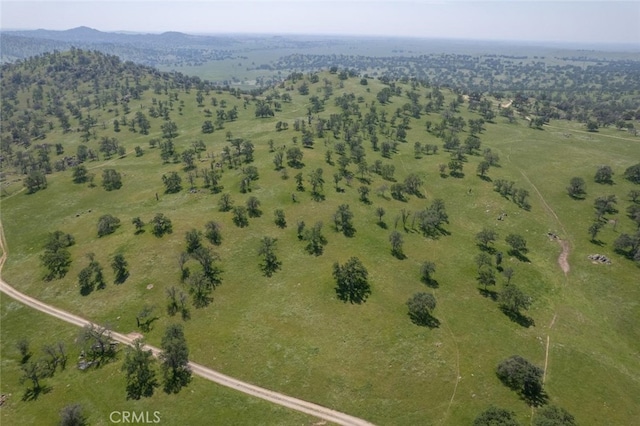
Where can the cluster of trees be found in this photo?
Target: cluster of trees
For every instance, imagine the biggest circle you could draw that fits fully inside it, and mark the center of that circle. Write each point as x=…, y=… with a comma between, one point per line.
x=626, y=244
x=526, y=379
x=538, y=90
x=603, y=175
x=91, y=276
x=202, y=281
x=98, y=348
x=549, y=415
x=507, y=189
x=313, y=236
x=241, y=214
x=512, y=299
x=114, y=84
x=57, y=258
x=35, y=371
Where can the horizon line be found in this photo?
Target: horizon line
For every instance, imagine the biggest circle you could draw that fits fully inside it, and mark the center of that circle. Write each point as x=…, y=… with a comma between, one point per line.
x=528, y=42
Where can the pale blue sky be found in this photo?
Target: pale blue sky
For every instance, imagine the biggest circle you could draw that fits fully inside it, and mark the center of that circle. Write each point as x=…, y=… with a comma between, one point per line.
x=515, y=20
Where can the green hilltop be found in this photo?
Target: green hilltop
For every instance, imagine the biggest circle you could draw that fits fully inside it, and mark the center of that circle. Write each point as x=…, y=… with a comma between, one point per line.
x=400, y=174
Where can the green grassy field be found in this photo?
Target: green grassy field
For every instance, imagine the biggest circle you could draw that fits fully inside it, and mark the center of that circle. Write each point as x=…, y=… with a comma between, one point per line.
x=291, y=334
x=101, y=393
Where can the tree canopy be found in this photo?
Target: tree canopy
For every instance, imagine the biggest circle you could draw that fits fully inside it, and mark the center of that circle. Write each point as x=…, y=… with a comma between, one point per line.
x=632, y=173
x=421, y=306
x=138, y=366
x=495, y=416
x=352, y=283
x=520, y=375
x=175, y=358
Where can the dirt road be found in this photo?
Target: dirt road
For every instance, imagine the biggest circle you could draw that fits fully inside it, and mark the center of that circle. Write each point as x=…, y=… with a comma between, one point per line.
x=207, y=373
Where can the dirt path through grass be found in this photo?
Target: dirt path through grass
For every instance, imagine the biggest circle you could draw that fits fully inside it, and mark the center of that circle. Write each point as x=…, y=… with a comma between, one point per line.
x=546, y=352
x=207, y=373
x=455, y=343
x=563, y=261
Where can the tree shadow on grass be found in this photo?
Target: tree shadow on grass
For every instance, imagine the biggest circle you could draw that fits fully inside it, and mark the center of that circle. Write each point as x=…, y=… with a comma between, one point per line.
x=430, y=282
x=147, y=325
x=519, y=255
x=487, y=249
x=121, y=278
x=443, y=231
x=629, y=254
x=86, y=290
x=398, y=254
x=316, y=196
x=424, y=320
x=532, y=393
x=382, y=225
x=518, y=317
x=485, y=178
x=490, y=294
x=578, y=197
x=349, y=231
x=599, y=243
x=31, y=394
x=536, y=399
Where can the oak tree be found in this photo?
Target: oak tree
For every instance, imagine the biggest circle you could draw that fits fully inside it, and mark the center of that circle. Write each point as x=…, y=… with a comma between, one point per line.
x=175, y=359
x=352, y=283
x=138, y=366
x=421, y=306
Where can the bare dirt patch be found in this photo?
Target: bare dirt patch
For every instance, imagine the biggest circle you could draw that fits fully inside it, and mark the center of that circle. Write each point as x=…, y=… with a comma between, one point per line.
x=562, y=259
x=135, y=335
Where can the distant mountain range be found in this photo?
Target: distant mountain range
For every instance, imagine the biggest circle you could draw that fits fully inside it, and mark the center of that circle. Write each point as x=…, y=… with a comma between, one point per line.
x=90, y=35
x=170, y=48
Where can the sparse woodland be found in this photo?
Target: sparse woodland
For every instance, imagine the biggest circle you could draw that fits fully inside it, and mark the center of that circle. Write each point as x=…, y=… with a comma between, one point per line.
x=369, y=242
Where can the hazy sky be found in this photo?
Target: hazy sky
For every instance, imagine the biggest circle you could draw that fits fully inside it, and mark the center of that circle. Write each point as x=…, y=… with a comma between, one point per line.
x=537, y=20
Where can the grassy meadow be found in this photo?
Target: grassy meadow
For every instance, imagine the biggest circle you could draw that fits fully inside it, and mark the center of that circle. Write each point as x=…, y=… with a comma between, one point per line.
x=289, y=332
x=101, y=391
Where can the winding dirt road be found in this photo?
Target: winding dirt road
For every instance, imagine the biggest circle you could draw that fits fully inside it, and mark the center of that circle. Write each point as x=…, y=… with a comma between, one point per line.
x=207, y=373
